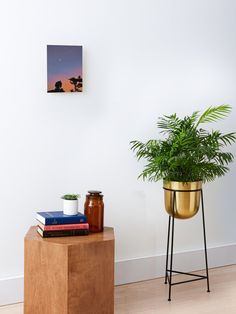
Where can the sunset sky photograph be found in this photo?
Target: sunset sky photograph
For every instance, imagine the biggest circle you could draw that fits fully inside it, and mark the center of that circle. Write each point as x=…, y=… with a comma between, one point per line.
x=64, y=68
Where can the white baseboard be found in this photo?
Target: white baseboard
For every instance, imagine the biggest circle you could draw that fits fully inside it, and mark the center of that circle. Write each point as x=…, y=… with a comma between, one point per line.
x=11, y=290
x=146, y=268
x=138, y=269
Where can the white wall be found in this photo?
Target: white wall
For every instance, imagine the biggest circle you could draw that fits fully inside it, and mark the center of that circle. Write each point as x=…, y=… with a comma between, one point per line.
x=142, y=59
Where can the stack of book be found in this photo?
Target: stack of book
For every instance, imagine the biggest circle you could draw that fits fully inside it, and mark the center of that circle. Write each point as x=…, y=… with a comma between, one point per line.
x=56, y=224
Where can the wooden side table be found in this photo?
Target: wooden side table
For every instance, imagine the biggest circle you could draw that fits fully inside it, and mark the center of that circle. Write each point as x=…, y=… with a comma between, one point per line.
x=69, y=275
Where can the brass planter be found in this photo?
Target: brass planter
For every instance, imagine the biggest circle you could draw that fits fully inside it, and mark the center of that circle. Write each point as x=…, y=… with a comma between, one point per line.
x=186, y=203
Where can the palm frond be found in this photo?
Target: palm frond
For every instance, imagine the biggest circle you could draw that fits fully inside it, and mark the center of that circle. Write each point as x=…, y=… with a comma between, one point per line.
x=213, y=114
x=168, y=123
x=228, y=138
x=194, y=116
x=224, y=158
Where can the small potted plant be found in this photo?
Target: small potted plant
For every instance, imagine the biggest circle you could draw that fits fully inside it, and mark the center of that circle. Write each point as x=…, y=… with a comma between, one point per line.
x=186, y=157
x=70, y=204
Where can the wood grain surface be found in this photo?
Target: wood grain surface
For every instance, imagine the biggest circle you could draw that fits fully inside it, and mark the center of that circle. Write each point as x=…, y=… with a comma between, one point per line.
x=69, y=275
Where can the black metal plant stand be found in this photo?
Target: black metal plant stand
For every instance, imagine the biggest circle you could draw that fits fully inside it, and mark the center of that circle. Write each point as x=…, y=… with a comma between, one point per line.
x=169, y=270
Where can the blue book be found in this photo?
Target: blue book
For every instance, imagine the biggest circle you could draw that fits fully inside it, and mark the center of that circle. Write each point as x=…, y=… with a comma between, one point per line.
x=58, y=218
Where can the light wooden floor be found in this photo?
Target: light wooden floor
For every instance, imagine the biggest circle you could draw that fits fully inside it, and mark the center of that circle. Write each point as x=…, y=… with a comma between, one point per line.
x=150, y=297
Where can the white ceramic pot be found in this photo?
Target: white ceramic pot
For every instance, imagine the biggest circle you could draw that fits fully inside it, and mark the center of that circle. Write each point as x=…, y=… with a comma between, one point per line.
x=70, y=207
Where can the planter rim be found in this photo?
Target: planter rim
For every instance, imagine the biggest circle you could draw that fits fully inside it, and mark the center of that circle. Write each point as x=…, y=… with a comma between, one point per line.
x=165, y=180
x=184, y=186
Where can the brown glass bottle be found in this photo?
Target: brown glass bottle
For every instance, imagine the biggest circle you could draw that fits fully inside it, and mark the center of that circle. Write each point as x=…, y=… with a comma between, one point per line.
x=94, y=210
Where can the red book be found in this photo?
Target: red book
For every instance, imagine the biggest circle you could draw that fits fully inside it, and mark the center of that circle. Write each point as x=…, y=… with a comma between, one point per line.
x=62, y=233
x=81, y=226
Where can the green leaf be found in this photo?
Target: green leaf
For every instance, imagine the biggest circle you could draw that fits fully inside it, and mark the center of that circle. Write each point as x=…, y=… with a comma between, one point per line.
x=213, y=114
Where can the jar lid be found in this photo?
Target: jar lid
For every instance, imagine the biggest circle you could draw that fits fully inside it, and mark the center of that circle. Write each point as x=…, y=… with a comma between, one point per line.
x=93, y=192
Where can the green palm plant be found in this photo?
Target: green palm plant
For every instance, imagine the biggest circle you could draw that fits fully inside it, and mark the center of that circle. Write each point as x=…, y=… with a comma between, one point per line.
x=188, y=152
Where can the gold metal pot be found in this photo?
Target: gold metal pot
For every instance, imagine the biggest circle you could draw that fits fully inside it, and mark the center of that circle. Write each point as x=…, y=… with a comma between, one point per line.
x=186, y=203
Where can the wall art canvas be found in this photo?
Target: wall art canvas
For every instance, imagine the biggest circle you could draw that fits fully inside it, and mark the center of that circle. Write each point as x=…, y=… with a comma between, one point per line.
x=64, y=69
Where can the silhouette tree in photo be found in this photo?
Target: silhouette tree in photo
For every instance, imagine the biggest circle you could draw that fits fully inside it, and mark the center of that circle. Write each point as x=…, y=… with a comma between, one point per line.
x=80, y=82
x=77, y=82
x=58, y=88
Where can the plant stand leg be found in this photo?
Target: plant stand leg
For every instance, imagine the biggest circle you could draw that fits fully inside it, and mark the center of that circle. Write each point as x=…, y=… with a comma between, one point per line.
x=172, y=244
x=167, y=250
x=205, y=246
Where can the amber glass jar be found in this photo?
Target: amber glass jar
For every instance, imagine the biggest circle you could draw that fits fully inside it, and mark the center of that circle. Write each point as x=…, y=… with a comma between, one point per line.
x=94, y=210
